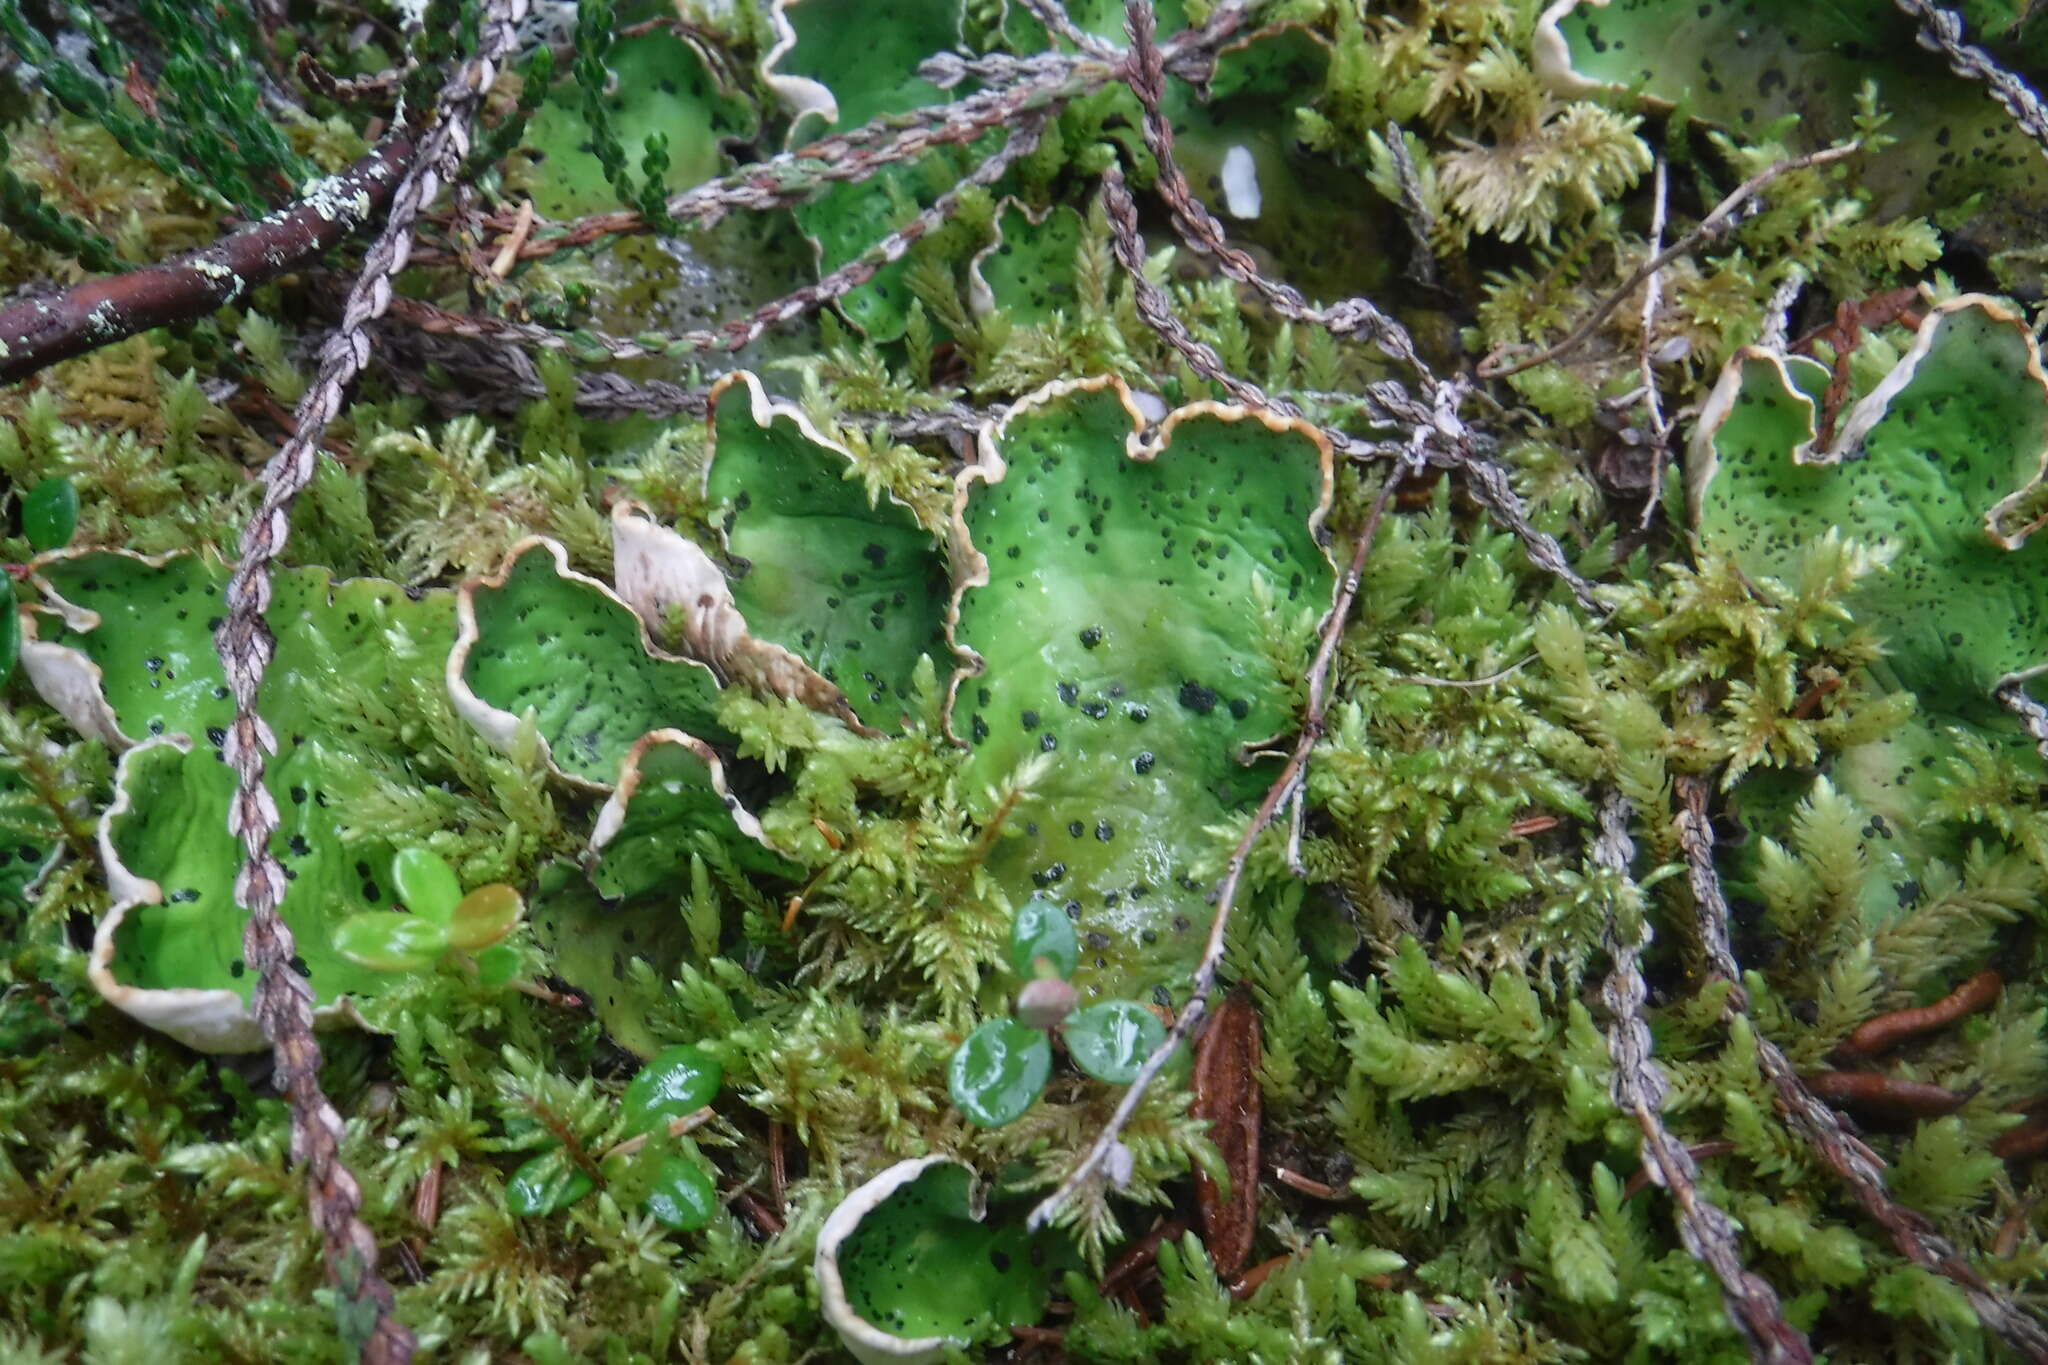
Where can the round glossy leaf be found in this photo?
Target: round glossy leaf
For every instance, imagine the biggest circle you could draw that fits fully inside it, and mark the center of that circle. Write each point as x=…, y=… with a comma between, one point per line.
x=675, y=1082
x=1042, y=930
x=497, y=964
x=485, y=916
x=1110, y=1041
x=683, y=1197
x=546, y=1183
x=49, y=514
x=387, y=941
x=426, y=885
x=999, y=1071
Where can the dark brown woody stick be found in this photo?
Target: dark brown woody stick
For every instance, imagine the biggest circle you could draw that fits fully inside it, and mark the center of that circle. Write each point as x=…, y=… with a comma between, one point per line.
x=36, y=332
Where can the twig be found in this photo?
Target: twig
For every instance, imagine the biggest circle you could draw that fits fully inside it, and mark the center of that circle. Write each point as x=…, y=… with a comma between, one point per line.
x=1053, y=15
x=2011, y=694
x=1941, y=31
x=1713, y=225
x=282, y=1002
x=1107, y=1142
x=36, y=332
x=497, y=378
x=1414, y=207
x=1887, y=1031
x=1653, y=296
x=1436, y=432
x=1200, y=229
x=1425, y=680
x=1640, y=1087
x=740, y=332
x=1857, y=1166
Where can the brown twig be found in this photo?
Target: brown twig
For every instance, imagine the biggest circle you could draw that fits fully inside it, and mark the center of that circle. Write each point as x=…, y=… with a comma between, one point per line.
x=740, y=332
x=37, y=332
x=1713, y=225
x=1653, y=298
x=1806, y=1114
x=1435, y=431
x=282, y=1001
x=1647, y=1176
x=1313, y=1188
x=1318, y=678
x=1887, y=1031
x=1941, y=31
x=1883, y=1097
x=1640, y=1087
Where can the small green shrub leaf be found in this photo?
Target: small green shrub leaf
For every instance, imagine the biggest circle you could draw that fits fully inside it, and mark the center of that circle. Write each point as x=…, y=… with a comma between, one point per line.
x=425, y=883
x=999, y=1071
x=1112, y=1039
x=683, y=1196
x=675, y=1082
x=49, y=514
x=1042, y=930
x=545, y=1183
x=387, y=941
x=485, y=916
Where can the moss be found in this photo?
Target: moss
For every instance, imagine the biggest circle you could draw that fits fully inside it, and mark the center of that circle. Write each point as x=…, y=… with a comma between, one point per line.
x=1429, y=990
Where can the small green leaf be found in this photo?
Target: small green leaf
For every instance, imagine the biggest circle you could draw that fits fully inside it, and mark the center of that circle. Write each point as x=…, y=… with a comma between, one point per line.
x=497, y=965
x=387, y=941
x=677, y=1081
x=484, y=917
x=1043, y=930
x=426, y=884
x=546, y=1183
x=683, y=1197
x=999, y=1071
x=49, y=514
x=1110, y=1041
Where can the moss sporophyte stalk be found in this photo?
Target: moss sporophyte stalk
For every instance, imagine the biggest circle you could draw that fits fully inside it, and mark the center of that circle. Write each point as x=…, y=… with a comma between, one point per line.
x=1292, y=681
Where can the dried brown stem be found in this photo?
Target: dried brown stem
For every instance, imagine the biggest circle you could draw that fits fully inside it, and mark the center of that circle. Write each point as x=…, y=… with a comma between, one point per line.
x=1436, y=432
x=282, y=1001
x=37, y=332
x=1201, y=230
x=1713, y=225
x=1941, y=30
x=1640, y=1088
x=738, y=333
x=1806, y=1114
x=1107, y=1141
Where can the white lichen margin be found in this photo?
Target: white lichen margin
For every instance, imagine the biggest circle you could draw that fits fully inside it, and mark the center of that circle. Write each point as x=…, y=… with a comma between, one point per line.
x=869, y=1343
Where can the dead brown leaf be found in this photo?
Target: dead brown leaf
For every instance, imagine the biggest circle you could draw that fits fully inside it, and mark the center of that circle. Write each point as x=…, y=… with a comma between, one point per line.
x=1227, y=1094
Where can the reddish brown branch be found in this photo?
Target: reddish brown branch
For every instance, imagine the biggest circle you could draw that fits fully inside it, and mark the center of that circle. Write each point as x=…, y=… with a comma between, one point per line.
x=1808, y=1115
x=36, y=332
x=1887, y=1031
x=1882, y=1097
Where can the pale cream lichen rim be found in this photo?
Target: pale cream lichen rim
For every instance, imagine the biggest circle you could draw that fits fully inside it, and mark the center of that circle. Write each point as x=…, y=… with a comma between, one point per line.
x=869, y=1343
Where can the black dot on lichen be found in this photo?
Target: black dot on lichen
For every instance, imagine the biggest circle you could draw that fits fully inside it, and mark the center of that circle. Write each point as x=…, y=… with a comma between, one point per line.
x=1197, y=698
x=1091, y=637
